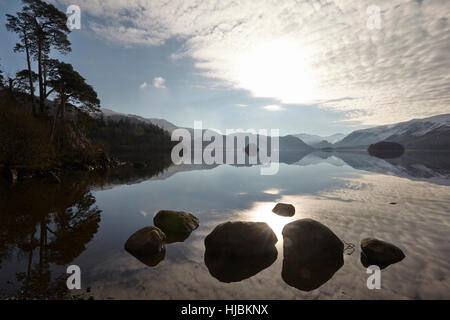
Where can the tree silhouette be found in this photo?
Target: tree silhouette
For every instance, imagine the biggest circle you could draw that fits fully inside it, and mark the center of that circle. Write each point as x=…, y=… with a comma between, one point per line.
x=20, y=24
x=41, y=27
x=21, y=81
x=71, y=87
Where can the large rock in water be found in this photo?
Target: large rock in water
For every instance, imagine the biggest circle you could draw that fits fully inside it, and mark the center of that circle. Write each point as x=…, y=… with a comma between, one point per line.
x=284, y=209
x=379, y=253
x=238, y=250
x=147, y=241
x=312, y=254
x=175, y=222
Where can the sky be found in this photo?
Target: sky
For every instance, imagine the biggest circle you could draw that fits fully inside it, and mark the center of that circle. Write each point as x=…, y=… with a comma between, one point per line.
x=313, y=66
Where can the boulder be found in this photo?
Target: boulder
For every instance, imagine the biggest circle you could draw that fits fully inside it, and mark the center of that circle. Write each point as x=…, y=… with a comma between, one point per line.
x=312, y=254
x=284, y=209
x=238, y=250
x=146, y=242
x=176, y=222
x=379, y=253
x=311, y=237
x=173, y=237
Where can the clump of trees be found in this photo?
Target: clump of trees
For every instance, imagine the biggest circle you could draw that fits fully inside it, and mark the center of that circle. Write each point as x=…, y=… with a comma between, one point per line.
x=41, y=29
x=127, y=140
x=50, y=132
x=23, y=139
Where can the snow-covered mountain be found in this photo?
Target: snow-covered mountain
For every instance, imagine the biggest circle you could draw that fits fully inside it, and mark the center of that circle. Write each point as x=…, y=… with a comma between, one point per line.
x=312, y=139
x=428, y=133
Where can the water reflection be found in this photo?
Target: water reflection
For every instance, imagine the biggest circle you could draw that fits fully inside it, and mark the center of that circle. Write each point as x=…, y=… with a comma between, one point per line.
x=307, y=274
x=50, y=225
x=150, y=260
x=348, y=192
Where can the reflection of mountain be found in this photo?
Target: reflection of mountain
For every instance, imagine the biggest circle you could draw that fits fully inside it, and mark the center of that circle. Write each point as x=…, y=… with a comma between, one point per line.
x=314, y=139
x=433, y=167
x=414, y=165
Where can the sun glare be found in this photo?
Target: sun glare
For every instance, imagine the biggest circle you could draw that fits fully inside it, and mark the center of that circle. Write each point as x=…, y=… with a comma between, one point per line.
x=277, y=68
x=262, y=212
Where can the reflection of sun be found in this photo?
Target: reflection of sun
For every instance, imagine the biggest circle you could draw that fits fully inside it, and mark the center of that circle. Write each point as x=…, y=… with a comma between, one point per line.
x=262, y=212
x=272, y=191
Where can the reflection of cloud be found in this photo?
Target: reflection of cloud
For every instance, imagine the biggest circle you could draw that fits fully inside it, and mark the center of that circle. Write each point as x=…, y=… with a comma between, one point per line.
x=301, y=52
x=272, y=191
x=142, y=212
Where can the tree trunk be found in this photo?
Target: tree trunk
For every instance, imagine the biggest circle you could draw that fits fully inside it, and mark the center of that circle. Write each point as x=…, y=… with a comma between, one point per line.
x=30, y=74
x=10, y=88
x=55, y=119
x=44, y=80
x=41, y=85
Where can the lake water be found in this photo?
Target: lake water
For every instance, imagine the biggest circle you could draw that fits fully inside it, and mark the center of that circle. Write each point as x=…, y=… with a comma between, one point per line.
x=87, y=219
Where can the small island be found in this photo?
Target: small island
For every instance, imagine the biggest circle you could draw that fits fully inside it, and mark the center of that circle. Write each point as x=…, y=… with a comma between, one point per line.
x=386, y=150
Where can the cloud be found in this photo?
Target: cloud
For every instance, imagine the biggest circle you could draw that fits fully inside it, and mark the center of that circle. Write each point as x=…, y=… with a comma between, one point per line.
x=159, y=82
x=309, y=52
x=274, y=107
x=241, y=105
x=143, y=85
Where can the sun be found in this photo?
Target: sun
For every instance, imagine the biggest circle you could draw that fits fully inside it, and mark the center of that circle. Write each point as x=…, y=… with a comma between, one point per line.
x=277, y=68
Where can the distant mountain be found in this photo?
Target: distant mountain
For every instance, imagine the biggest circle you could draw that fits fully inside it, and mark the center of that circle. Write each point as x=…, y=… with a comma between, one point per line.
x=117, y=116
x=429, y=133
x=287, y=142
x=292, y=143
x=322, y=145
x=312, y=139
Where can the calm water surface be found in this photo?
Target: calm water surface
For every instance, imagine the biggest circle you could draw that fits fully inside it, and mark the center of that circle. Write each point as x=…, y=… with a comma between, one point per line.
x=86, y=221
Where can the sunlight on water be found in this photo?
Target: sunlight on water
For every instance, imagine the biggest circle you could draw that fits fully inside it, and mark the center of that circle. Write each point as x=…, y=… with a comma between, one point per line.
x=262, y=212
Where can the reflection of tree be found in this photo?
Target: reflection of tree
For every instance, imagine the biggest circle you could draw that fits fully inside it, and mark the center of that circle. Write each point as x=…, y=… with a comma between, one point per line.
x=49, y=225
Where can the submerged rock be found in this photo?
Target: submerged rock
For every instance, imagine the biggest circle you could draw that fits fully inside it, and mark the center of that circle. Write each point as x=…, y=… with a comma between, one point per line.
x=312, y=254
x=176, y=222
x=379, y=253
x=238, y=250
x=146, y=242
x=284, y=209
